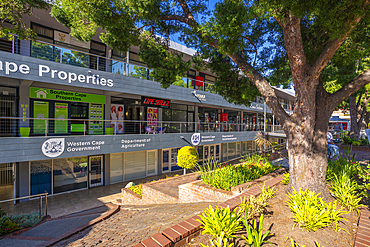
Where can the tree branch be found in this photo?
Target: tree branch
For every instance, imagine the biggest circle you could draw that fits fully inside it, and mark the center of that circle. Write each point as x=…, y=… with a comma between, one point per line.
x=263, y=86
x=366, y=101
x=350, y=88
x=294, y=47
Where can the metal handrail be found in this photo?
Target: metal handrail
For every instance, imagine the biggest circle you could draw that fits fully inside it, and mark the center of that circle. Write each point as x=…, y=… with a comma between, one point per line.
x=27, y=197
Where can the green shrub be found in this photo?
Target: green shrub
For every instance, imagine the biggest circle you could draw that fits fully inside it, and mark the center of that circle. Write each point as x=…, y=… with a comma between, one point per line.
x=311, y=212
x=345, y=190
x=227, y=176
x=255, y=236
x=220, y=241
x=187, y=157
x=286, y=177
x=138, y=189
x=364, y=141
x=356, y=143
x=8, y=226
x=256, y=205
x=220, y=220
x=275, y=145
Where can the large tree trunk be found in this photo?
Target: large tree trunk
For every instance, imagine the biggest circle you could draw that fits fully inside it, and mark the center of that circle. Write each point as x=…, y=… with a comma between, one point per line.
x=306, y=137
x=355, y=129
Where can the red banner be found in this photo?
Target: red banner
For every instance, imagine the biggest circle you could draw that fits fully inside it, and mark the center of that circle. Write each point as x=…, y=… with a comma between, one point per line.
x=223, y=117
x=199, y=81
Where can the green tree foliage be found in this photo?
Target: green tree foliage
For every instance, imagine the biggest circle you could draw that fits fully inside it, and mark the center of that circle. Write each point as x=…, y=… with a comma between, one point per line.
x=187, y=157
x=250, y=45
x=12, y=13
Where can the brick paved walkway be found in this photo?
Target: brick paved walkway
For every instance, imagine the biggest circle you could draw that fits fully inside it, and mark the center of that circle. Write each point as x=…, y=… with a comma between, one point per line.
x=134, y=223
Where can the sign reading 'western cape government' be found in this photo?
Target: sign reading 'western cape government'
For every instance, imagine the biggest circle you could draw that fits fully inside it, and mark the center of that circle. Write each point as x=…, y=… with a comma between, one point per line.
x=45, y=71
x=42, y=93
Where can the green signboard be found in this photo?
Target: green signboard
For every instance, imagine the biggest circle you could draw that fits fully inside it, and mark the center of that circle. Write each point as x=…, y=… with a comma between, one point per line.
x=43, y=93
x=77, y=127
x=40, y=112
x=61, y=114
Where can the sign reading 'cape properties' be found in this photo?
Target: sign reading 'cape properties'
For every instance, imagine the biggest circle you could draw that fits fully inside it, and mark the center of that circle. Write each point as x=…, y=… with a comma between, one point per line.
x=149, y=101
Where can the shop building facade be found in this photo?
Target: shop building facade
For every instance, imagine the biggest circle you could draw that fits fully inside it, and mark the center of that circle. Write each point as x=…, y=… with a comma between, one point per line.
x=75, y=115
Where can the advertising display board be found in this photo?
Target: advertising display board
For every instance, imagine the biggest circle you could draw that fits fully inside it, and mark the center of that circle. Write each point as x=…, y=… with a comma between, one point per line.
x=152, y=117
x=96, y=115
x=40, y=112
x=61, y=114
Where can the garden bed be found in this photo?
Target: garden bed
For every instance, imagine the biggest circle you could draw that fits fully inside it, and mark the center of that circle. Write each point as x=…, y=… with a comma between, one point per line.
x=198, y=191
x=278, y=219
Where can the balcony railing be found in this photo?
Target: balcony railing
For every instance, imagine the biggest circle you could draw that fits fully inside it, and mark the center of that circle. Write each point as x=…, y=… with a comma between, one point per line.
x=67, y=55
x=25, y=127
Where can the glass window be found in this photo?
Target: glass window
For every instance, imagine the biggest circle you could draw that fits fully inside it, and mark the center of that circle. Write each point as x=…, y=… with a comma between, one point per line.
x=200, y=152
x=166, y=160
x=224, y=151
x=116, y=168
x=40, y=174
x=69, y=174
x=231, y=152
x=174, y=165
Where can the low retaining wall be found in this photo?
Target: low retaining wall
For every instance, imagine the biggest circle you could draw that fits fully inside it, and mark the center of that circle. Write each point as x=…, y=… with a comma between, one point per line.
x=357, y=148
x=197, y=191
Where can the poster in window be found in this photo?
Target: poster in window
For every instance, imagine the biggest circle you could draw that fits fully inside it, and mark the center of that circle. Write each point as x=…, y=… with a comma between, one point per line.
x=40, y=112
x=61, y=116
x=152, y=117
x=117, y=117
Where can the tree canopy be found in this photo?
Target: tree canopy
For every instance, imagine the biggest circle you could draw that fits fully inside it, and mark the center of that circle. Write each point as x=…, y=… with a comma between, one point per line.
x=250, y=45
x=12, y=13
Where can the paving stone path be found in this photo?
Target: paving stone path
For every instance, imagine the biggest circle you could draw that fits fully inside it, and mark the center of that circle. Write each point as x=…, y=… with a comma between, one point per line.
x=133, y=224
x=52, y=229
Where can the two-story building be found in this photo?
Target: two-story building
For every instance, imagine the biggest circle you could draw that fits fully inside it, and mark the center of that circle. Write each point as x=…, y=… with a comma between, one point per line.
x=74, y=115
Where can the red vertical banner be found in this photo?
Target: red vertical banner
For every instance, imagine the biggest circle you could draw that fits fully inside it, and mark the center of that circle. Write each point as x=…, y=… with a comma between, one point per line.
x=199, y=82
x=223, y=117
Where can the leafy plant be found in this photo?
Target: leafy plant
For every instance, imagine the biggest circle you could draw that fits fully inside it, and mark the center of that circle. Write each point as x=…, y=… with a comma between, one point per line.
x=138, y=189
x=345, y=190
x=187, y=157
x=286, y=177
x=8, y=226
x=256, y=205
x=275, y=145
x=220, y=241
x=364, y=141
x=311, y=212
x=356, y=143
x=294, y=244
x=220, y=220
x=255, y=236
x=227, y=176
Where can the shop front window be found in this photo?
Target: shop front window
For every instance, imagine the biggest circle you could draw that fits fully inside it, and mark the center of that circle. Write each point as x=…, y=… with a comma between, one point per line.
x=69, y=174
x=40, y=175
x=209, y=119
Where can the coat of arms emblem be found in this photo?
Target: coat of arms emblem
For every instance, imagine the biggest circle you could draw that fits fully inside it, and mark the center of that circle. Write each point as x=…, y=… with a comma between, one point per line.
x=53, y=147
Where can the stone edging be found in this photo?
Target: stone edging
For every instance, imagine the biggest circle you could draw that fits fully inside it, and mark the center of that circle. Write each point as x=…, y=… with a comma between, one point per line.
x=352, y=147
x=362, y=236
x=46, y=218
x=184, y=231
x=113, y=209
